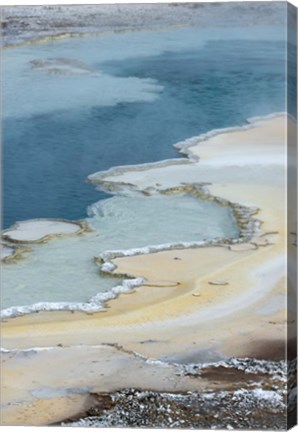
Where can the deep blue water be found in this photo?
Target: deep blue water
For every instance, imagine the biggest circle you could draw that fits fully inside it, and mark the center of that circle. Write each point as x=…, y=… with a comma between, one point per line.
x=47, y=157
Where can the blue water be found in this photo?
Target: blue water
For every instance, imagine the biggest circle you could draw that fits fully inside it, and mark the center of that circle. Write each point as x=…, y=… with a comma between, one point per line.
x=48, y=274
x=47, y=155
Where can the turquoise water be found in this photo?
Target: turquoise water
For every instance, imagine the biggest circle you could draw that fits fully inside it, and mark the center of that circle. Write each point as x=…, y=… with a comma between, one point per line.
x=76, y=106
x=135, y=95
x=63, y=270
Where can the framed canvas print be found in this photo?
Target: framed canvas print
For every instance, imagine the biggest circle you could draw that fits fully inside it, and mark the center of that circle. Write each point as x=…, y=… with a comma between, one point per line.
x=149, y=214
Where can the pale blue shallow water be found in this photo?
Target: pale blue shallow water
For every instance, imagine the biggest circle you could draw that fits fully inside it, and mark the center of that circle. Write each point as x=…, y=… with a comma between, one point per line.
x=131, y=97
x=63, y=270
x=141, y=93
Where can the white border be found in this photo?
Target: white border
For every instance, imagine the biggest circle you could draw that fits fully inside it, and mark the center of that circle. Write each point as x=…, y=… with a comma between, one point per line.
x=94, y=2
x=80, y=2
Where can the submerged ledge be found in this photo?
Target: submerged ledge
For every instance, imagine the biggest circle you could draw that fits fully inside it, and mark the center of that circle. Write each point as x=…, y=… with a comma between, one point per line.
x=11, y=253
x=105, y=181
x=248, y=227
x=36, y=231
x=248, y=236
x=98, y=178
x=42, y=230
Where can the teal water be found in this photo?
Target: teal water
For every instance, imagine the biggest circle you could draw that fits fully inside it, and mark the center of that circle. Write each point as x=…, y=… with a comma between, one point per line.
x=135, y=96
x=63, y=270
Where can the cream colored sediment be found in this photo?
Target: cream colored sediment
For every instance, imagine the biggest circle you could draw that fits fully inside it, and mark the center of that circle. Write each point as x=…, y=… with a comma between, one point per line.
x=16, y=234
x=49, y=392
x=179, y=314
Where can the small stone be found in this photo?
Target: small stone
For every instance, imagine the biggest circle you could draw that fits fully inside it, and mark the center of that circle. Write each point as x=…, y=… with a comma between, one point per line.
x=219, y=282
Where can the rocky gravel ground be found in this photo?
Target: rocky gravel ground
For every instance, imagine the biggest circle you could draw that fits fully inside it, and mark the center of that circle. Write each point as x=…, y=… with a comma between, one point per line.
x=241, y=409
x=27, y=23
x=252, y=395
